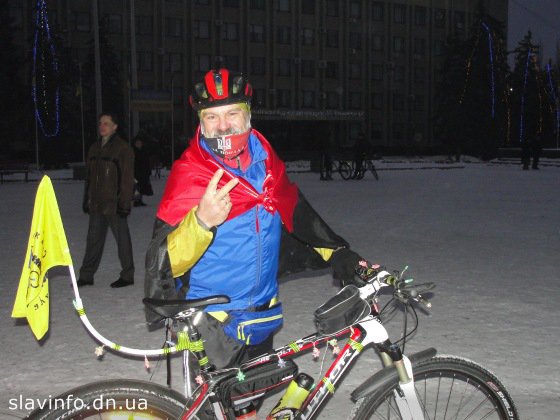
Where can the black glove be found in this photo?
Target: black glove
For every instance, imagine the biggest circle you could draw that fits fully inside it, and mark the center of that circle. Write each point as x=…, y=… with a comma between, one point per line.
x=344, y=263
x=123, y=213
x=85, y=207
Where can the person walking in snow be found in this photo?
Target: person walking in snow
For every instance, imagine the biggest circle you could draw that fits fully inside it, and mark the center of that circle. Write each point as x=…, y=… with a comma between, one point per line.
x=230, y=222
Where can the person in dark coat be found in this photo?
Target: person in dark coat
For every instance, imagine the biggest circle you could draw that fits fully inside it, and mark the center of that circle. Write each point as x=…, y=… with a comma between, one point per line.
x=142, y=172
x=107, y=199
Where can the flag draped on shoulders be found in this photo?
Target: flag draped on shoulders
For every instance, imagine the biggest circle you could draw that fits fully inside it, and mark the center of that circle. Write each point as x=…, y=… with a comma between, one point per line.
x=47, y=248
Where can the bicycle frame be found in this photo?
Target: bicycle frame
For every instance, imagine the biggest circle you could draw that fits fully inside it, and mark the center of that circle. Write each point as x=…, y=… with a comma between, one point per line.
x=367, y=331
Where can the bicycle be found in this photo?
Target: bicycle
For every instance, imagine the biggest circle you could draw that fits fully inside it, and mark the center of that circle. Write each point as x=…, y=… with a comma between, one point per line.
x=347, y=169
x=420, y=386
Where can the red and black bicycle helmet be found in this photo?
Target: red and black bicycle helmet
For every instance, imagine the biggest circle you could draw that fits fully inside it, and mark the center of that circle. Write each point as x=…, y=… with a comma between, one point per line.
x=220, y=87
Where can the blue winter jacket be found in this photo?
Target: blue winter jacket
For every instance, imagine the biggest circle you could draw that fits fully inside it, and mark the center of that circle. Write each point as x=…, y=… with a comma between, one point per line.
x=242, y=261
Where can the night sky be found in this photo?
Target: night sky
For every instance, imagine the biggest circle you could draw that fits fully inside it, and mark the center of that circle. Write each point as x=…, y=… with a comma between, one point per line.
x=542, y=17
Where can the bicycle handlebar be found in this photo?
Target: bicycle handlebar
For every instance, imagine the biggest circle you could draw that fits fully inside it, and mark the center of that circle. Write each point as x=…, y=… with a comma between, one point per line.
x=374, y=279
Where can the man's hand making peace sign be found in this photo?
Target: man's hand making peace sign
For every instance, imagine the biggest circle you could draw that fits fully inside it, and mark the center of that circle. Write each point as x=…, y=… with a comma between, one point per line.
x=215, y=204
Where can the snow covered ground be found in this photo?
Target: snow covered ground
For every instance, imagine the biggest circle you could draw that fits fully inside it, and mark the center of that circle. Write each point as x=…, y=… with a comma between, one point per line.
x=487, y=234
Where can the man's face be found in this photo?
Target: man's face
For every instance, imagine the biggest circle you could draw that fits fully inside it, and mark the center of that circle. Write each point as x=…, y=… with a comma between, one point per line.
x=224, y=120
x=106, y=126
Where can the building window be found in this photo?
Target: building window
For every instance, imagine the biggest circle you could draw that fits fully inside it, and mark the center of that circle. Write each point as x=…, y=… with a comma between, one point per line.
x=439, y=47
x=231, y=62
x=439, y=18
x=259, y=97
x=355, y=100
x=332, y=100
x=398, y=45
x=419, y=76
x=307, y=36
x=284, y=67
x=459, y=21
x=257, y=4
x=355, y=40
x=398, y=102
x=355, y=70
x=178, y=93
x=399, y=13
x=283, y=5
x=174, y=27
x=378, y=42
x=332, y=38
x=231, y=3
x=376, y=131
x=332, y=70
x=398, y=131
x=355, y=9
x=229, y=31
x=258, y=66
x=399, y=74
x=113, y=23
x=283, y=98
x=256, y=33
x=419, y=103
x=308, y=7
x=81, y=21
x=377, y=72
x=283, y=35
x=420, y=47
x=201, y=63
x=420, y=16
x=308, y=68
x=201, y=29
x=378, y=11
x=144, y=25
x=332, y=7
x=145, y=61
x=308, y=99
x=16, y=17
x=173, y=62
x=377, y=101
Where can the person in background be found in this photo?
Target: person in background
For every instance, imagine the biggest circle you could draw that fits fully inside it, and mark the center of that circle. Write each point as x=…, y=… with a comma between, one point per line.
x=108, y=192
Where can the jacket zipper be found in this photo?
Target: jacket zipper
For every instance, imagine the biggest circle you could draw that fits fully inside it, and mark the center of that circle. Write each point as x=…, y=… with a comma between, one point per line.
x=259, y=254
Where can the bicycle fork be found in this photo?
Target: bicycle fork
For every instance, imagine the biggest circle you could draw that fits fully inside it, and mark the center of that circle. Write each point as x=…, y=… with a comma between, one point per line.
x=405, y=395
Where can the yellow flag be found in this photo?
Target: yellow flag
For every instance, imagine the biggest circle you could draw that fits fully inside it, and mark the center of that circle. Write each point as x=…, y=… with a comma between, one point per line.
x=47, y=248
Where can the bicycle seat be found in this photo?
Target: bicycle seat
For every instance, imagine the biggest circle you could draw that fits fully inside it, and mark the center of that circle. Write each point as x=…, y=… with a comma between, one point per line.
x=169, y=308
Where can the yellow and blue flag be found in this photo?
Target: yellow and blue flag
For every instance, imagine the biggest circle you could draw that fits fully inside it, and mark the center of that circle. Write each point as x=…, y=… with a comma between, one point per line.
x=47, y=248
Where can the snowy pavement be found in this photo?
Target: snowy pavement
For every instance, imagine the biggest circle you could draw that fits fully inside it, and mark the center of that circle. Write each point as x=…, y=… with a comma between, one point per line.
x=488, y=234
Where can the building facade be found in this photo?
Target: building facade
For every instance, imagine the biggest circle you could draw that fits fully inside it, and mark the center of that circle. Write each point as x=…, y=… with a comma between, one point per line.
x=318, y=67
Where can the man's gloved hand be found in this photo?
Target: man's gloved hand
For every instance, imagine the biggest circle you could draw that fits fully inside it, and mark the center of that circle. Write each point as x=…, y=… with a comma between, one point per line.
x=85, y=207
x=344, y=263
x=123, y=213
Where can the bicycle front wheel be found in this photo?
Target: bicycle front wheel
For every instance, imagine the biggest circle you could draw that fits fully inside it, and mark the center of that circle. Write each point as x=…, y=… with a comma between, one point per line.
x=448, y=388
x=345, y=170
x=120, y=399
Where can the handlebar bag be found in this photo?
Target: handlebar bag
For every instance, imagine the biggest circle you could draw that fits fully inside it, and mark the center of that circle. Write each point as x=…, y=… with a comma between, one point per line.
x=258, y=380
x=341, y=311
x=253, y=327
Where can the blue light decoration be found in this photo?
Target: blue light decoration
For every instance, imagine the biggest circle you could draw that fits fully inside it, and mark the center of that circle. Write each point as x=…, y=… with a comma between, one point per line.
x=492, y=82
x=523, y=94
x=47, y=105
x=554, y=100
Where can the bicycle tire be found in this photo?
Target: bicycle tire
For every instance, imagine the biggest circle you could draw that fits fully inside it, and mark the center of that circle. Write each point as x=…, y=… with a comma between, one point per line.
x=345, y=170
x=111, y=399
x=470, y=391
